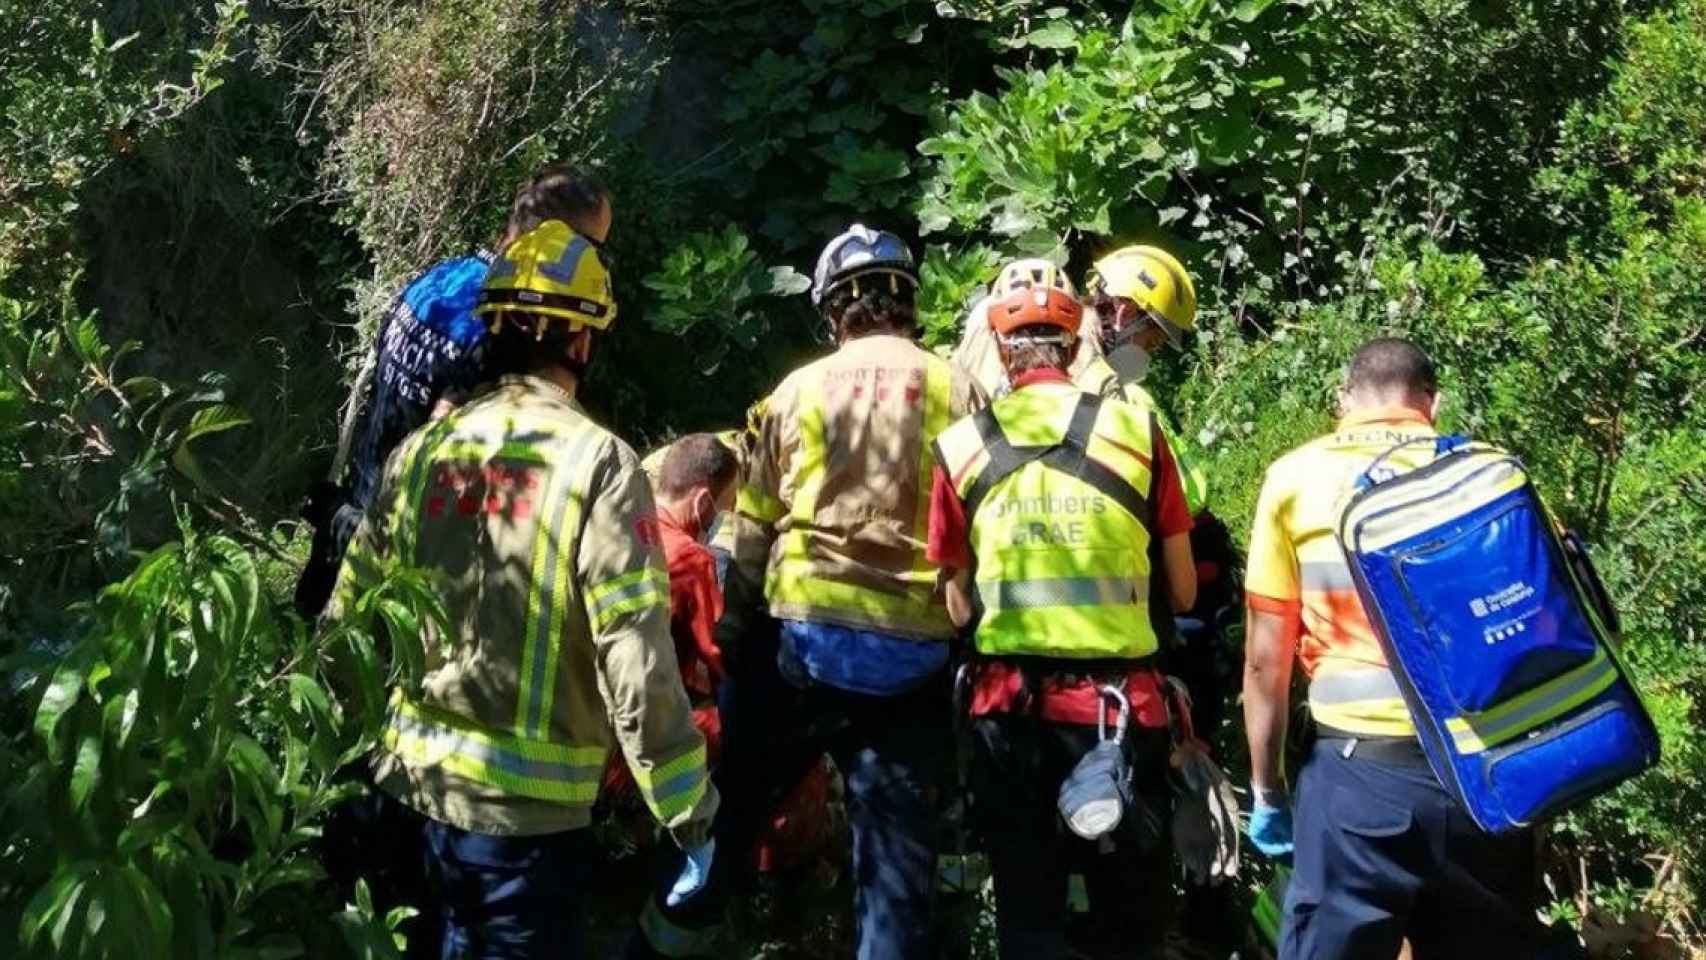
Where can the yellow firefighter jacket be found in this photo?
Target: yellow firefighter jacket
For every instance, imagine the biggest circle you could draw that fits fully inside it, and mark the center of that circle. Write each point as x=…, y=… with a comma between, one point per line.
x=539, y=525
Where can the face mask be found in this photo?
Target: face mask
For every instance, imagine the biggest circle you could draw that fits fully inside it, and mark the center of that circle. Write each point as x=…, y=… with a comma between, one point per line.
x=1130, y=361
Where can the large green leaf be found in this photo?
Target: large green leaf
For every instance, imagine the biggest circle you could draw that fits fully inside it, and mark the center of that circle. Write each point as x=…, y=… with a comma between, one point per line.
x=216, y=418
x=62, y=692
x=86, y=770
x=54, y=902
x=1054, y=35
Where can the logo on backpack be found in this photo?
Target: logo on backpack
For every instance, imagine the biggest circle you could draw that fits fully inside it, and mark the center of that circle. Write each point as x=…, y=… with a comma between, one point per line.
x=1502, y=599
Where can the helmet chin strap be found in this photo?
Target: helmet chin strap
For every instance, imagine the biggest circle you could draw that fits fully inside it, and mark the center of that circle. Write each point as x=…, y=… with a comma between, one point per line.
x=1130, y=361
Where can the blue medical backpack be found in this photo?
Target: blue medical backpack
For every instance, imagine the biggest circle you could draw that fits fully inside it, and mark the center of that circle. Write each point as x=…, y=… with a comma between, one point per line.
x=1498, y=633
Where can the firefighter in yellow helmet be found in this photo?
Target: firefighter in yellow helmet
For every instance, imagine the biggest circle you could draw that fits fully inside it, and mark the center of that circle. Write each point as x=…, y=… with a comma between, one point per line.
x=539, y=528
x=1143, y=300
x=1056, y=509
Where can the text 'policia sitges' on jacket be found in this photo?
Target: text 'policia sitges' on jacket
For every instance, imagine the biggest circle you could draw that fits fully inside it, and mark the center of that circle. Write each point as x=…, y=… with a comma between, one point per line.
x=841, y=470
x=1351, y=687
x=1061, y=548
x=541, y=526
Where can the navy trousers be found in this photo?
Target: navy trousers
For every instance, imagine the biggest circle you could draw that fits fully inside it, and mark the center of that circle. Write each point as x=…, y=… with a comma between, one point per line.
x=1018, y=764
x=1383, y=854
x=481, y=897
x=890, y=750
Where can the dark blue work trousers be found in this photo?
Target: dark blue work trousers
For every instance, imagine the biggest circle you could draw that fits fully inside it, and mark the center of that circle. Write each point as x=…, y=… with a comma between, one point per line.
x=480, y=896
x=891, y=751
x=1383, y=854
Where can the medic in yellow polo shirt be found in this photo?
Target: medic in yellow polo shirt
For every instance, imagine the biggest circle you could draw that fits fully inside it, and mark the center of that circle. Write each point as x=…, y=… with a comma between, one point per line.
x=1382, y=853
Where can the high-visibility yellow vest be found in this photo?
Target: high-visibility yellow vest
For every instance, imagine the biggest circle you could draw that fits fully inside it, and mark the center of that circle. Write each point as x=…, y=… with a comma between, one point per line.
x=1100, y=377
x=1057, y=486
x=536, y=524
x=849, y=497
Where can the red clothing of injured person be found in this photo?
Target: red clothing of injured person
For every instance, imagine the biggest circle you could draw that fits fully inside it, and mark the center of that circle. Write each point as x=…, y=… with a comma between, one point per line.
x=695, y=605
x=799, y=827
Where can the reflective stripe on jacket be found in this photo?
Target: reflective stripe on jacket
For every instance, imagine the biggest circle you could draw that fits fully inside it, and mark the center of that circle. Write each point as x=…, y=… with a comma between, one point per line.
x=540, y=530
x=1100, y=378
x=1061, y=543
x=840, y=479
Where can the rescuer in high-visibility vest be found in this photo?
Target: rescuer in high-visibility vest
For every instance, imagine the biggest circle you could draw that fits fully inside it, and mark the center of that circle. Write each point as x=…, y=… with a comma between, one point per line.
x=539, y=529
x=1141, y=300
x=1043, y=512
x=833, y=507
x=1381, y=851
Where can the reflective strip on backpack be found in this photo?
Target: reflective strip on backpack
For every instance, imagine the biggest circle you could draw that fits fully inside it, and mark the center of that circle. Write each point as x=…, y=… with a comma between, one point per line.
x=1477, y=479
x=1062, y=592
x=1475, y=732
x=632, y=591
x=676, y=786
x=425, y=737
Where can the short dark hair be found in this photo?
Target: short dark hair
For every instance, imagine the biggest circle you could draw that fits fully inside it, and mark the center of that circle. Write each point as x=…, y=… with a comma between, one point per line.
x=696, y=460
x=877, y=307
x=1391, y=365
x=558, y=192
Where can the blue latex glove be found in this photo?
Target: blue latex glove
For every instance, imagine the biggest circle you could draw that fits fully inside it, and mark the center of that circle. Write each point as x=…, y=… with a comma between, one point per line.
x=693, y=874
x=1270, y=828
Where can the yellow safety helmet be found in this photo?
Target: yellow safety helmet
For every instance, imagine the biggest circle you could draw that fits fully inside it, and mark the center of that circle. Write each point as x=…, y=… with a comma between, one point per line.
x=1028, y=273
x=1153, y=279
x=551, y=271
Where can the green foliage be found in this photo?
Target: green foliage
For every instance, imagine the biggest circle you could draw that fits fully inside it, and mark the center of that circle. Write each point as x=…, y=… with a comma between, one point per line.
x=949, y=284
x=717, y=277
x=1646, y=135
x=75, y=98
x=166, y=799
x=1516, y=186
x=89, y=453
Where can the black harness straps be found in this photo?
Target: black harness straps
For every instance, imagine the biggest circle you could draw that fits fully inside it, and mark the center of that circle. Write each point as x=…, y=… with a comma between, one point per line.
x=1069, y=456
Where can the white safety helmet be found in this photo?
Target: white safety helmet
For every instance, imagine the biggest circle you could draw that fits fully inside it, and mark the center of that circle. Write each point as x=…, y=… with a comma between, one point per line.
x=1027, y=273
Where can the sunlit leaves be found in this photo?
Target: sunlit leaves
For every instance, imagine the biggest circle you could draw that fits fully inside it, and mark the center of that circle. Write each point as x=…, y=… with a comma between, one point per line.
x=716, y=277
x=187, y=746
